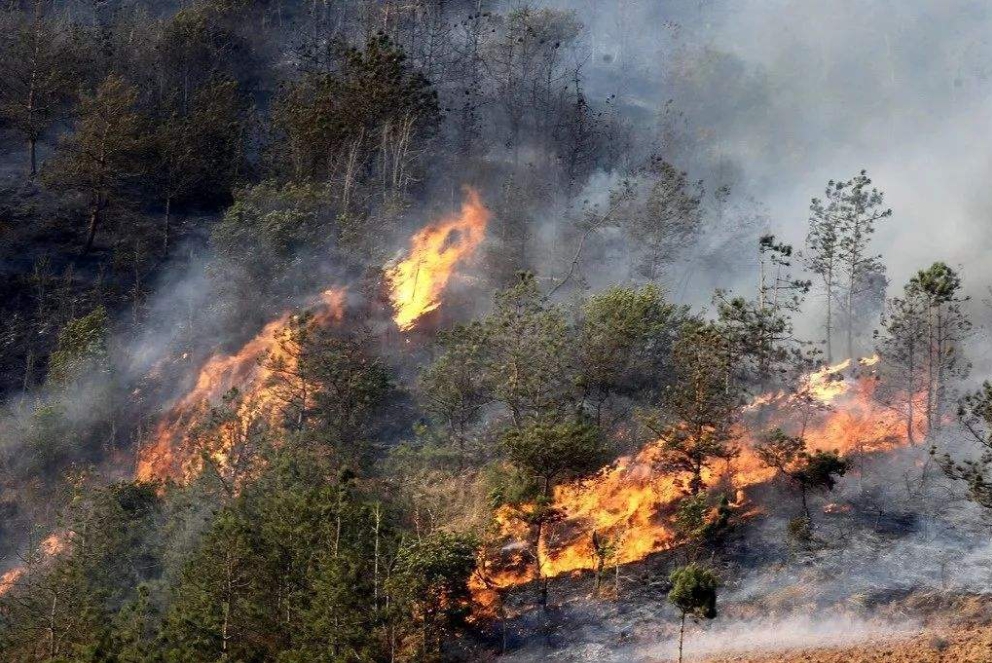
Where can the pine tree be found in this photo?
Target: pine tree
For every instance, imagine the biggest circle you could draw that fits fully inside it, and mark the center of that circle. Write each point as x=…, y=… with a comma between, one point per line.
x=698, y=413
x=38, y=72
x=840, y=231
x=937, y=288
x=693, y=593
x=104, y=154
x=904, y=348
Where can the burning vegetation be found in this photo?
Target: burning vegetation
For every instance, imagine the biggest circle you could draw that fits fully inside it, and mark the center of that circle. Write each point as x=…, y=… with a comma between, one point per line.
x=236, y=430
x=631, y=506
x=250, y=371
x=418, y=281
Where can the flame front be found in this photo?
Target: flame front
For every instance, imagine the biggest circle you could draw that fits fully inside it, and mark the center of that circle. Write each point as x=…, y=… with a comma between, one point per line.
x=417, y=283
x=165, y=457
x=631, y=502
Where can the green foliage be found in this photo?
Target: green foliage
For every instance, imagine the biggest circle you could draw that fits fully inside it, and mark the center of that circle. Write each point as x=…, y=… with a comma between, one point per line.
x=330, y=385
x=625, y=341
x=698, y=521
x=821, y=469
x=282, y=564
x=510, y=484
x=757, y=336
x=259, y=238
x=696, y=422
x=663, y=215
x=81, y=348
x=693, y=592
x=519, y=357
x=808, y=471
x=352, y=385
x=975, y=415
x=528, y=353
x=939, y=284
x=690, y=517
x=40, y=65
x=230, y=440
x=554, y=451
x=904, y=348
x=374, y=95
x=107, y=548
x=456, y=387
x=800, y=531
x=430, y=582
x=48, y=441
x=533, y=362
x=199, y=146
x=840, y=231
x=104, y=155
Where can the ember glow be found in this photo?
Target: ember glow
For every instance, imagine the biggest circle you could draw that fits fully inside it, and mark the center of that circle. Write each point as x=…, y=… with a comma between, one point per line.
x=165, y=456
x=631, y=502
x=417, y=282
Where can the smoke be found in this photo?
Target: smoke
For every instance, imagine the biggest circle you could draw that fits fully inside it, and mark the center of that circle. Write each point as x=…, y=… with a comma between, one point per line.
x=771, y=99
x=775, y=98
x=797, y=632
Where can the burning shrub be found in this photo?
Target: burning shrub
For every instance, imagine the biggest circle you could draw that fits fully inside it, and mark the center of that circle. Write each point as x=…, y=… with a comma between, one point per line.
x=807, y=471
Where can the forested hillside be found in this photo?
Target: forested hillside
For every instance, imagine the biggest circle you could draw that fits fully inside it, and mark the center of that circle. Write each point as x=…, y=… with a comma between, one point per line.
x=462, y=330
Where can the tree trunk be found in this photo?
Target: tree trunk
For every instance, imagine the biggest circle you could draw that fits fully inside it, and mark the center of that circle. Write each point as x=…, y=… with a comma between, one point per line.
x=32, y=157
x=681, y=636
x=94, y=223
x=850, y=317
x=912, y=398
x=696, y=483
x=375, y=573
x=830, y=310
x=930, y=376
x=51, y=627
x=542, y=585
x=168, y=224
x=938, y=410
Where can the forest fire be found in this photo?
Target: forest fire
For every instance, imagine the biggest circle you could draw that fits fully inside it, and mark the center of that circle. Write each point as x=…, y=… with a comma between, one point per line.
x=52, y=545
x=165, y=457
x=630, y=504
x=417, y=282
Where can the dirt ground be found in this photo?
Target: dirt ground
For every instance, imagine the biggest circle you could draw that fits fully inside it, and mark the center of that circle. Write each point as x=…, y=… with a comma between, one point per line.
x=968, y=645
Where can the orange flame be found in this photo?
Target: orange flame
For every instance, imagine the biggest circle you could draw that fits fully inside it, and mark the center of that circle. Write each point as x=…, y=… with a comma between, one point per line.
x=9, y=579
x=417, y=283
x=54, y=544
x=164, y=457
x=631, y=504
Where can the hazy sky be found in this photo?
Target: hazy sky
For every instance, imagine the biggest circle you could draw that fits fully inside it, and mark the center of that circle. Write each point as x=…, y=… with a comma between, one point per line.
x=796, y=92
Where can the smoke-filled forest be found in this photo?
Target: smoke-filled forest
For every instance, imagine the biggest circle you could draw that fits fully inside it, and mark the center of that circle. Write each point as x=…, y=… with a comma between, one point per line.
x=364, y=331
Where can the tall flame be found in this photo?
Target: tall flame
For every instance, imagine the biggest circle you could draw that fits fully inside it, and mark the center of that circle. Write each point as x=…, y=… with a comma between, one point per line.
x=164, y=457
x=630, y=503
x=417, y=282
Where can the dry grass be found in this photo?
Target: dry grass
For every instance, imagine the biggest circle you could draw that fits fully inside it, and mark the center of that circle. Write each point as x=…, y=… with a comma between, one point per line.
x=963, y=645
